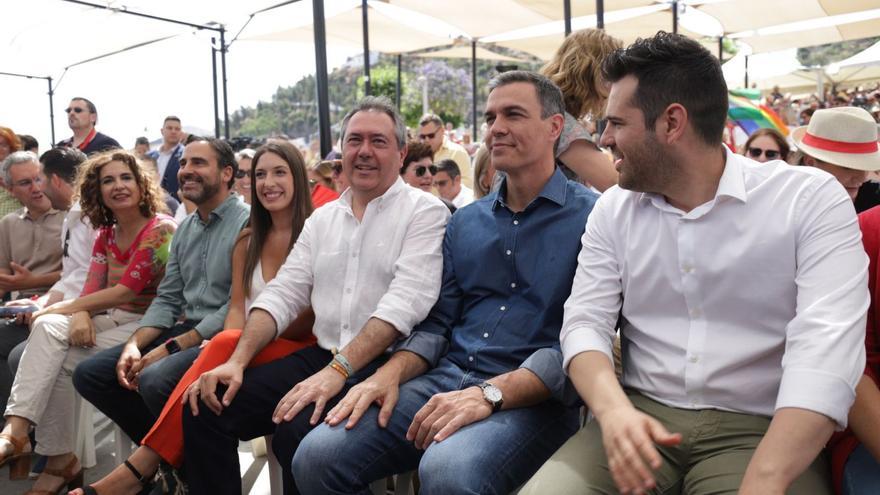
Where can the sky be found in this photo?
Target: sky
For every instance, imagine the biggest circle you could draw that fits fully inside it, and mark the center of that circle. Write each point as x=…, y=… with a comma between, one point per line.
x=135, y=90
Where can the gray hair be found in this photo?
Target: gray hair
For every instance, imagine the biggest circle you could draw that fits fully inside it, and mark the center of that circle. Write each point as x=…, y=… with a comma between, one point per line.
x=430, y=118
x=245, y=153
x=15, y=159
x=379, y=104
x=549, y=94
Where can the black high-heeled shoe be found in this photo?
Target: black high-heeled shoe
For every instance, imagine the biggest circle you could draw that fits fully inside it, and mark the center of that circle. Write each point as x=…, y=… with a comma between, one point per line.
x=144, y=481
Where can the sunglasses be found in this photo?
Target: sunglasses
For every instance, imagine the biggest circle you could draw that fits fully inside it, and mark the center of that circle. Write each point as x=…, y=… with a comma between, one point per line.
x=429, y=136
x=74, y=110
x=756, y=153
x=337, y=168
x=420, y=170
x=240, y=174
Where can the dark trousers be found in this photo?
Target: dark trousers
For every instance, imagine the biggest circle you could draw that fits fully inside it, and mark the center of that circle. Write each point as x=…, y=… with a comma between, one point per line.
x=11, y=335
x=134, y=412
x=211, y=441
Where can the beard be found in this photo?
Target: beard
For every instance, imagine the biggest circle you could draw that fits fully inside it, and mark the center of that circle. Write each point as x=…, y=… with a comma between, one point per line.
x=647, y=167
x=201, y=195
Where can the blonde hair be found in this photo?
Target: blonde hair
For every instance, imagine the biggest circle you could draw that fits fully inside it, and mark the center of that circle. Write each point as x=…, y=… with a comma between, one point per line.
x=481, y=164
x=577, y=69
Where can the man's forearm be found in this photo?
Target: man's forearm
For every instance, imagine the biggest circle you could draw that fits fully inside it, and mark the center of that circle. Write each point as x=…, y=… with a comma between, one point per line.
x=143, y=336
x=592, y=374
x=520, y=388
x=864, y=417
x=403, y=366
x=259, y=330
x=370, y=342
x=794, y=439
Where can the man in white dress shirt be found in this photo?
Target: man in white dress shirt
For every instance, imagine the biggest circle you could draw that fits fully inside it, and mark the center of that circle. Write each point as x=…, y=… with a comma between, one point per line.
x=740, y=290
x=369, y=265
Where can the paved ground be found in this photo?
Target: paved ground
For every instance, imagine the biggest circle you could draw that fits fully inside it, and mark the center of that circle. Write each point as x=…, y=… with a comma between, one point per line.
x=255, y=474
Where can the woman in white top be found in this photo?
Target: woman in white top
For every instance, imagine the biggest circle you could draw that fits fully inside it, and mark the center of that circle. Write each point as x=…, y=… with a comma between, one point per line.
x=280, y=204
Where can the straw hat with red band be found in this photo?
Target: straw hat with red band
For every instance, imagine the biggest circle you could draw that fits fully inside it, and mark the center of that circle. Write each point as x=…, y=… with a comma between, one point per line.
x=844, y=136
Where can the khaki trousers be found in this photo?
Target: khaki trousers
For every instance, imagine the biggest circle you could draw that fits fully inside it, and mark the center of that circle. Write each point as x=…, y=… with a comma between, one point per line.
x=43, y=392
x=712, y=458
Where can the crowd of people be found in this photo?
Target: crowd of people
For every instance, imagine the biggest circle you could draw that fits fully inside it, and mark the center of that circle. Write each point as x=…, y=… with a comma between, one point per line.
x=550, y=310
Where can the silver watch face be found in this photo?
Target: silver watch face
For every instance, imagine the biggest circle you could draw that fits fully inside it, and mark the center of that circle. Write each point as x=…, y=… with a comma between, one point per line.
x=491, y=393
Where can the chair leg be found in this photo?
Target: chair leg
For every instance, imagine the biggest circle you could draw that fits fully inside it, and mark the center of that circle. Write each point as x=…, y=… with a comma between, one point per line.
x=84, y=444
x=276, y=483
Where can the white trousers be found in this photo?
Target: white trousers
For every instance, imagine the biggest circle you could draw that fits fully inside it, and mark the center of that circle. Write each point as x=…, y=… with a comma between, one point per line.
x=43, y=390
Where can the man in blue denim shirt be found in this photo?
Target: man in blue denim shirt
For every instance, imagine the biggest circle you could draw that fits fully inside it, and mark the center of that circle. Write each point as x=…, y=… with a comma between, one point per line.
x=488, y=408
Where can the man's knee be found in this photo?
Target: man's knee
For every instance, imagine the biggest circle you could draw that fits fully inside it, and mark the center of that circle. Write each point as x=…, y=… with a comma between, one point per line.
x=155, y=387
x=317, y=463
x=14, y=357
x=93, y=376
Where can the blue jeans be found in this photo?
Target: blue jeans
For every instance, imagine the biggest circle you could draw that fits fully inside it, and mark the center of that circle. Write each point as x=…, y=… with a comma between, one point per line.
x=861, y=475
x=495, y=455
x=134, y=412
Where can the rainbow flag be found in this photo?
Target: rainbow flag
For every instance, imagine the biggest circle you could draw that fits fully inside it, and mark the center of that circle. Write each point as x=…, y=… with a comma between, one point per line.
x=751, y=116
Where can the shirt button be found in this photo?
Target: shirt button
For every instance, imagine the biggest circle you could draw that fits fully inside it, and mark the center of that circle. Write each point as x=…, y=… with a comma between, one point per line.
x=345, y=326
x=486, y=335
x=471, y=359
x=348, y=291
x=695, y=313
x=354, y=255
x=513, y=285
x=694, y=358
x=687, y=268
x=503, y=308
x=507, y=252
x=516, y=222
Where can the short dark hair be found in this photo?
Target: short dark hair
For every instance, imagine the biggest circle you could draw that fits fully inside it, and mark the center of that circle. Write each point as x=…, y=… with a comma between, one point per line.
x=225, y=155
x=171, y=117
x=62, y=162
x=28, y=142
x=379, y=104
x=415, y=151
x=671, y=68
x=449, y=166
x=141, y=140
x=549, y=94
x=92, y=107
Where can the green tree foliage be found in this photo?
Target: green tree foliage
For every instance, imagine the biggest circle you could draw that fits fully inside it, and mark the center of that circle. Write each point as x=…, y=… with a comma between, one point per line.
x=822, y=55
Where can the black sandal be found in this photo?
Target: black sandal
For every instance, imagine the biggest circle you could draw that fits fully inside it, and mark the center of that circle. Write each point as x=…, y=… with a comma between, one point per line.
x=90, y=490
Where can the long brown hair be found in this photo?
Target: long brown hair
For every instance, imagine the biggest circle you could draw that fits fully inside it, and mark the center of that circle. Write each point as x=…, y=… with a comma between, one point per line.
x=88, y=187
x=261, y=220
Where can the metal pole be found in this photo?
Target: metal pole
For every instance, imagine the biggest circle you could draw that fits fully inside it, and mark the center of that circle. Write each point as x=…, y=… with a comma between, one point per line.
x=216, y=98
x=223, y=70
x=721, y=49
x=399, y=88
x=321, y=76
x=600, y=14
x=365, y=21
x=566, y=13
x=51, y=109
x=474, y=84
x=747, y=72
x=674, y=16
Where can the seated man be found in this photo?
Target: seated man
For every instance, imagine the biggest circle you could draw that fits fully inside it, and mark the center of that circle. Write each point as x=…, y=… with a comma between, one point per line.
x=130, y=383
x=741, y=292
x=483, y=417
x=30, y=248
x=369, y=264
x=447, y=180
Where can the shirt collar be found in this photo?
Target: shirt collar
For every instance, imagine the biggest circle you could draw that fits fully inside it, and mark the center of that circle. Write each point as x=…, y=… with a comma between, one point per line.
x=554, y=190
x=224, y=206
x=24, y=213
x=732, y=183
x=394, y=190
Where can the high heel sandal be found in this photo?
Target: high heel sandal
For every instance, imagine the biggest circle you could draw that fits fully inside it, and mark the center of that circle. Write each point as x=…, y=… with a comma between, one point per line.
x=19, y=461
x=144, y=481
x=72, y=480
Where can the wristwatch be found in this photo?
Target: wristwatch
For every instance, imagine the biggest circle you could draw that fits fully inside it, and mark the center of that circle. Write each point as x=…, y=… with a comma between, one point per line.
x=492, y=394
x=172, y=346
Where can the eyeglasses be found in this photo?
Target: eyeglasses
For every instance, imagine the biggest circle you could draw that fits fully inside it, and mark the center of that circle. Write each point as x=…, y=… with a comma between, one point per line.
x=429, y=135
x=74, y=110
x=240, y=174
x=770, y=154
x=420, y=170
x=28, y=183
x=337, y=168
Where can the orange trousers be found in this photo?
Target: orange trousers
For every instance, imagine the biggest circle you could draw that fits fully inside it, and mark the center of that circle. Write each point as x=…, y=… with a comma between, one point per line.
x=166, y=436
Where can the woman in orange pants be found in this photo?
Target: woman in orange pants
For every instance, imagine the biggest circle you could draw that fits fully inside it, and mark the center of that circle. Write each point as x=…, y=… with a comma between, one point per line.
x=280, y=204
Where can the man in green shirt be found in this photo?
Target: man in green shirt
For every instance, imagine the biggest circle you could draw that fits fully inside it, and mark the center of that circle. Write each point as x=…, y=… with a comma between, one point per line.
x=131, y=383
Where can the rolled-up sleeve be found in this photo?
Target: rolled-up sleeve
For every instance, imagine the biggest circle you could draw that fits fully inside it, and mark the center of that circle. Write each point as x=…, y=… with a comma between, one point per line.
x=417, y=271
x=289, y=292
x=592, y=309
x=824, y=350
x=430, y=338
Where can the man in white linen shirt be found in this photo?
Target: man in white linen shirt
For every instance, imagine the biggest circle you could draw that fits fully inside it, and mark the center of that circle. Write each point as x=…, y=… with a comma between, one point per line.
x=369, y=265
x=741, y=291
